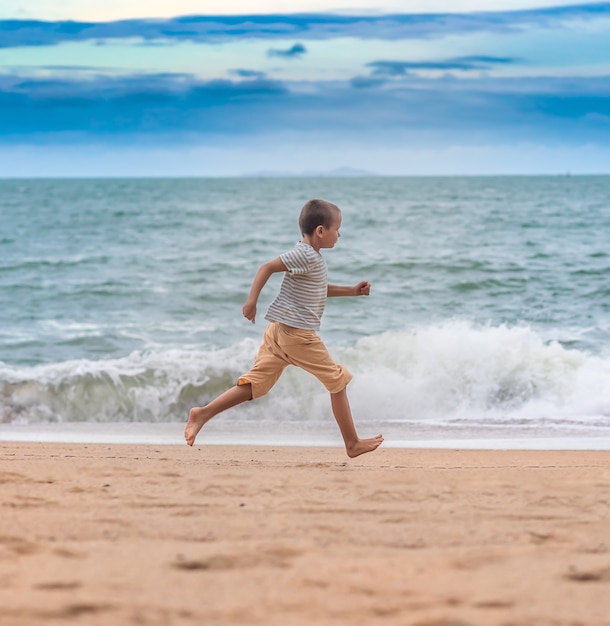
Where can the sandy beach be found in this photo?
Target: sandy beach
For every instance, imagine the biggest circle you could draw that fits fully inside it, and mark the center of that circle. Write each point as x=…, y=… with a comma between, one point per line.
x=142, y=534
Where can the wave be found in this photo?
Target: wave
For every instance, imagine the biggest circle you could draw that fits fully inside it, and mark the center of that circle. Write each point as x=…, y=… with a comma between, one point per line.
x=444, y=374
x=484, y=375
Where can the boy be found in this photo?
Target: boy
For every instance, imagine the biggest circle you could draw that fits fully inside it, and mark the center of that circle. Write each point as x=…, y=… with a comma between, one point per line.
x=291, y=337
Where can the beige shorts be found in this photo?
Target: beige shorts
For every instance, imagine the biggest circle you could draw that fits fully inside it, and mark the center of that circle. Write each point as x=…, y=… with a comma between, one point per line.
x=283, y=346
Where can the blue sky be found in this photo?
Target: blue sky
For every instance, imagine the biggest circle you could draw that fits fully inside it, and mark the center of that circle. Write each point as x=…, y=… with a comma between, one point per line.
x=187, y=88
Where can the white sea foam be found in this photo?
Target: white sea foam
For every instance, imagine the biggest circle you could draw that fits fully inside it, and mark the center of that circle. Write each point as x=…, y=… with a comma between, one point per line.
x=451, y=375
x=486, y=375
x=153, y=386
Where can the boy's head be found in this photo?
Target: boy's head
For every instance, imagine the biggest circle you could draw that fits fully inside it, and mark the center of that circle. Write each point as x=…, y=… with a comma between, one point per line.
x=317, y=213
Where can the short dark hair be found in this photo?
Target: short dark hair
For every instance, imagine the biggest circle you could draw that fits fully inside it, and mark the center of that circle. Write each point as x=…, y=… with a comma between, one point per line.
x=317, y=213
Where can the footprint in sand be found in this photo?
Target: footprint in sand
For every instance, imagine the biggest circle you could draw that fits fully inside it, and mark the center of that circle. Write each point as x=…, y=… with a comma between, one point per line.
x=588, y=576
x=58, y=586
x=274, y=557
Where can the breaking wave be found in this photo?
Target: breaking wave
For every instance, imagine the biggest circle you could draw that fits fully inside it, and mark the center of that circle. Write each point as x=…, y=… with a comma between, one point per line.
x=446, y=374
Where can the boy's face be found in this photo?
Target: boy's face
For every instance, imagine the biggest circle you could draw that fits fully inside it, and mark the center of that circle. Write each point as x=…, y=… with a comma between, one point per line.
x=330, y=235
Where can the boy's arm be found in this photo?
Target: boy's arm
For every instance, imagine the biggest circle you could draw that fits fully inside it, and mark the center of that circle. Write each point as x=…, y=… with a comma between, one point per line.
x=363, y=288
x=260, y=280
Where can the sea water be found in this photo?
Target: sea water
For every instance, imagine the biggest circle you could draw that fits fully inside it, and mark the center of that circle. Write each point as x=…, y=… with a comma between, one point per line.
x=489, y=314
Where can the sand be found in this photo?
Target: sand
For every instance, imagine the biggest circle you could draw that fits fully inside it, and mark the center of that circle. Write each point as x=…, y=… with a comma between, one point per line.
x=245, y=535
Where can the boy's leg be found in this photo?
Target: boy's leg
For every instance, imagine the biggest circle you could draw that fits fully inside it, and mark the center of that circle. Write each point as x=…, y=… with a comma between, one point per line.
x=312, y=355
x=354, y=446
x=265, y=372
x=202, y=414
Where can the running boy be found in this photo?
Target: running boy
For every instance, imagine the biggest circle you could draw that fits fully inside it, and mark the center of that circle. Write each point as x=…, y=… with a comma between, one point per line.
x=291, y=337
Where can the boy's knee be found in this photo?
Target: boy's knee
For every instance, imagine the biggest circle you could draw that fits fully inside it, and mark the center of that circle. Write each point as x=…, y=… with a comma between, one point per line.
x=246, y=386
x=339, y=381
x=257, y=390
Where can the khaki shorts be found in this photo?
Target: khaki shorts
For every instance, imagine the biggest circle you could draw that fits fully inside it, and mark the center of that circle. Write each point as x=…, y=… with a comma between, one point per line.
x=283, y=346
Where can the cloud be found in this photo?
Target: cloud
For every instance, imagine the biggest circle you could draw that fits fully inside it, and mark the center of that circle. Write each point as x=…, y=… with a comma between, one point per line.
x=314, y=26
x=366, y=82
x=467, y=63
x=248, y=73
x=159, y=104
x=165, y=107
x=296, y=51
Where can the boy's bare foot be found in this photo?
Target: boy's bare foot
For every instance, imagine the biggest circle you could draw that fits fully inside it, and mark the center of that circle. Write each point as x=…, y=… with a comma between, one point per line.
x=196, y=421
x=363, y=445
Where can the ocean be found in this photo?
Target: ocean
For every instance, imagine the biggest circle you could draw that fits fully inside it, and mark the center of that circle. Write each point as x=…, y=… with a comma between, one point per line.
x=488, y=320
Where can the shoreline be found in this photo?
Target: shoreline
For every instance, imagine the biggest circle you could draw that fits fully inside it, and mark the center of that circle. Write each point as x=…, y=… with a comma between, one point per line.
x=259, y=535
x=298, y=435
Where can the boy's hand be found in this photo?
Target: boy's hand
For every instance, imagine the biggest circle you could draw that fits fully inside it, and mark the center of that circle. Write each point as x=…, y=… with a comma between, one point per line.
x=249, y=311
x=363, y=288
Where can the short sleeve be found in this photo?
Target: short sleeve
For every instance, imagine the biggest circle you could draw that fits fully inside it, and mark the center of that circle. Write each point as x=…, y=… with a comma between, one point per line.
x=296, y=261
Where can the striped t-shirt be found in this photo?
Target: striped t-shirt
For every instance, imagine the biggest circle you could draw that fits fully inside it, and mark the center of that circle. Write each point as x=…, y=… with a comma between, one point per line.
x=302, y=296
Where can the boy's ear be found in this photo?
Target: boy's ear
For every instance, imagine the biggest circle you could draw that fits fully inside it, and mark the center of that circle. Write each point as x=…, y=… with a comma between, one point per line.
x=319, y=230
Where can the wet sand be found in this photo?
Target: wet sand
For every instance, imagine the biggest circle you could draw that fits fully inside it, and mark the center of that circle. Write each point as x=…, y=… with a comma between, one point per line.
x=119, y=534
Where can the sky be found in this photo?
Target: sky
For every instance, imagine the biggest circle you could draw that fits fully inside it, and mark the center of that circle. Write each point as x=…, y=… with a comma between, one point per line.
x=232, y=88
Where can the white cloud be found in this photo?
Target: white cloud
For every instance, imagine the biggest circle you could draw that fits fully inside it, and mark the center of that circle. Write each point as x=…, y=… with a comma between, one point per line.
x=119, y=9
